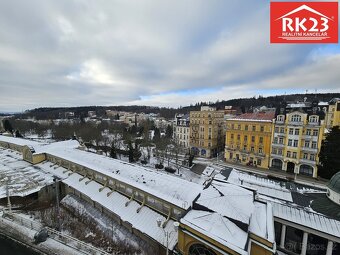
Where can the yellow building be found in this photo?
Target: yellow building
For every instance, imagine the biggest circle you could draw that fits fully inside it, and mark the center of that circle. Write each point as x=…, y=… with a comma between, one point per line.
x=333, y=113
x=206, y=131
x=248, y=139
x=297, y=138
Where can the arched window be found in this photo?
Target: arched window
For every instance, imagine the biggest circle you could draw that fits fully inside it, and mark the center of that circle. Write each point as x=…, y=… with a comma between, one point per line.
x=199, y=249
x=280, y=118
x=296, y=118
x=313, y=119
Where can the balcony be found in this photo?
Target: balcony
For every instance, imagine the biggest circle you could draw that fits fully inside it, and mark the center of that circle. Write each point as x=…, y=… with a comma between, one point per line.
x=276, y=156
x=295, y=123
x=307, y=161
x=279, y=145
x=308, y=149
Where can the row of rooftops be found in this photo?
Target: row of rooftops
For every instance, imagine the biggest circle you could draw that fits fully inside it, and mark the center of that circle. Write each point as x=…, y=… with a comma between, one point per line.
x=234, y=205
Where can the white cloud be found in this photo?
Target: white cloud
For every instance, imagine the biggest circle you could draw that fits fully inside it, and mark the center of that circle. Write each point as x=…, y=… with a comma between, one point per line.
x=57, y=53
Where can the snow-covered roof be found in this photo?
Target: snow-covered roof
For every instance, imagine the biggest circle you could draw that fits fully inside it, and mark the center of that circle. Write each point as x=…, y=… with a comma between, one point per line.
x=218, y=228
x=169, y=188
x=19, y=141
x=145, y=220
x=262, y=185
x=229, y=200
x=307, y=218
x=24, y=178
x=262, y=221
x=164, y=186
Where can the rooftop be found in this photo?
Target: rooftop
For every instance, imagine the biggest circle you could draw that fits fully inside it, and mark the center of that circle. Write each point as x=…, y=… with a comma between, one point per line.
x=256, y=116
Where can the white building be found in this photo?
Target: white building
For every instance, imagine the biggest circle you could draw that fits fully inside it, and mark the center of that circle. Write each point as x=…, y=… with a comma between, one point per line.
x=182, y=129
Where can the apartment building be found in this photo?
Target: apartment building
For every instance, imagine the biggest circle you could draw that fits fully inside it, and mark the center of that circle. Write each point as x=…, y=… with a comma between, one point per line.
x=207, y=134
x=248, y=139
x=297, y=137
x=181, y=129
x=333, y=113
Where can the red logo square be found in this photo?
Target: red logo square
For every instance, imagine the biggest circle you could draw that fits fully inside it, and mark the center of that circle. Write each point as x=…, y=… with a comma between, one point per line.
x=304, y=22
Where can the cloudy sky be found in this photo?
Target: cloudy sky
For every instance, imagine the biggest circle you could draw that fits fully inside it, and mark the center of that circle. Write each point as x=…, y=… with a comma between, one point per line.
x=150, y=52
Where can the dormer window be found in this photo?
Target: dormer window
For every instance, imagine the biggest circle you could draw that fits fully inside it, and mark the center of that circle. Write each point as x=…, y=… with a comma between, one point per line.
x=313, y=119
x=280, y=118
x=296, y=118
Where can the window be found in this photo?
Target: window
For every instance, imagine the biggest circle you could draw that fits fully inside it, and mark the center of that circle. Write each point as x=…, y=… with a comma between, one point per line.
x=232, y=126
x=293, y=240
x=282, y=130
x=238, y=137
x=308, y=132
x=290, y=142
x=315, y=132
x=259, y=162
x=280, y=118
x=305, y=155
x=210, y=122
x=245, y=147
x=246, y=127
x=276, y=129
x=275, y=139
x=316, y=245
x=294, y=155
x=199, y=249
x=312, y=157
x=252, y=149
x=313, y=119
x=295, y=143
x=291, y=131
x=278, y=228
x=232, y=136
x=288, y=154
x=254, y=128
x=314, y=145
x=296, y=118
x=297, y=132
x=245, y=138
x=279, y=151
x=260, y=150
x=274, y=151
x=261, y=139
x=280, y=140
x=253, y=139
x=239, y=127
x=262, y=128
x=307, y=144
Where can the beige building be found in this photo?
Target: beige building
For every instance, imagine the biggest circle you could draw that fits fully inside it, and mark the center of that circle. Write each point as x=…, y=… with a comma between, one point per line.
x=181, y=127
x=297, y=137
x=333, y=113
x=207, y=133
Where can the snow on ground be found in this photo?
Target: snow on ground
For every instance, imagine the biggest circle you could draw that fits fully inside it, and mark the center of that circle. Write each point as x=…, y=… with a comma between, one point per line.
x=24, y=178
x=26, y=235
x=106, y=224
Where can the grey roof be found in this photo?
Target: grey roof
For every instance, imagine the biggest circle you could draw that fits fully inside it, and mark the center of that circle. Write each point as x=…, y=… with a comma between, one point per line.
x=334, y=183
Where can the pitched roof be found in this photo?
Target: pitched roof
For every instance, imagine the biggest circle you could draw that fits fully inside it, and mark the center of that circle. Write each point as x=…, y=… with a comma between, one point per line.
x=256, y=116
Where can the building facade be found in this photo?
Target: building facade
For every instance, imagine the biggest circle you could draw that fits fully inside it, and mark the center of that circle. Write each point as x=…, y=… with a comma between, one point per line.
x=248, y=139
x=182, y=130
x=207, y=132
x=333, y=113
x=297, y=137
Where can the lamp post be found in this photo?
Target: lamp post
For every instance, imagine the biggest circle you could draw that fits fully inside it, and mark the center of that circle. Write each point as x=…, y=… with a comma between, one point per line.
x=167, y=234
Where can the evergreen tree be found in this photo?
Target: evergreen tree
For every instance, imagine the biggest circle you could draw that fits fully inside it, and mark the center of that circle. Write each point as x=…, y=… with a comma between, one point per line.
x=113, y=152
x=8, y=126
x=168, y=132
x=330, y=154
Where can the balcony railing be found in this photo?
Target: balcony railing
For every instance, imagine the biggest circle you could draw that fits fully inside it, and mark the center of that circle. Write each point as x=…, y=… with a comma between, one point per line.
x=315, y=150
x=308, y=161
